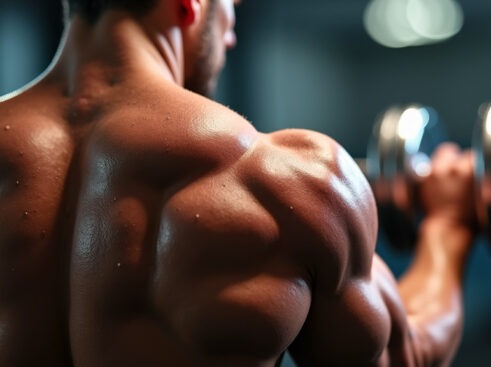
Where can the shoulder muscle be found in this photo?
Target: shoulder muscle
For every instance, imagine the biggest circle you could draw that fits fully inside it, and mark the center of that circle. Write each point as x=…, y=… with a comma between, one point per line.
x=314, y=187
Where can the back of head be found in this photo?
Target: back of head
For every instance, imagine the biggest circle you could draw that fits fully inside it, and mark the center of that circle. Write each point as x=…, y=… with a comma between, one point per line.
x=90, y=10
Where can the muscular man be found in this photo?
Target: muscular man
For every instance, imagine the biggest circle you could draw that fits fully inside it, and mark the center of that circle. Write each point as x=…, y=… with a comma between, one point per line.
x=145, y=225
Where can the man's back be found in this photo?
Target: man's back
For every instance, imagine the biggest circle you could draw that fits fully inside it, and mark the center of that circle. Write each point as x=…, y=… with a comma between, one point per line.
x=36, y=149
x=168, y=245
x=152, y=215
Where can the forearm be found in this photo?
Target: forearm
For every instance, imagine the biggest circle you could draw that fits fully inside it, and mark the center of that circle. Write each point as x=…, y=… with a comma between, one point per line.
x=431, y=289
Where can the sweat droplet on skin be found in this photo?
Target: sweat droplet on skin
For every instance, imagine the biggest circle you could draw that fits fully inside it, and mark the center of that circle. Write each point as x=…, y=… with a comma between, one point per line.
x=7, y=127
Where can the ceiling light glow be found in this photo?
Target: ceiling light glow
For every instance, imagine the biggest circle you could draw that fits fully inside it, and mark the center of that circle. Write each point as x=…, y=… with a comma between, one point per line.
x=403, y=23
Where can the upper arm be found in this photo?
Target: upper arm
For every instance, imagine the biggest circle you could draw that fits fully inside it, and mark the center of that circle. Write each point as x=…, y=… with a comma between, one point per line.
x=364, y=324
x=355, y=312
x=349, y=328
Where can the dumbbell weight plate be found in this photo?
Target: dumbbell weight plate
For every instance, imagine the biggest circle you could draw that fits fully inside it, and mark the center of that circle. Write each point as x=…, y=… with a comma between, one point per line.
x=398, y=153
x=481, y=145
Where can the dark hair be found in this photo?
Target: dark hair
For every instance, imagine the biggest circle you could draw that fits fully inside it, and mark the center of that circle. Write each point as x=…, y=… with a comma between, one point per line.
x=90, y=10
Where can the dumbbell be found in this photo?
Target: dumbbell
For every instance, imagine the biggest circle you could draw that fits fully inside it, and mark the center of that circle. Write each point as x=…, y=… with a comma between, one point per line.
x=402, y=140
x=398, y=156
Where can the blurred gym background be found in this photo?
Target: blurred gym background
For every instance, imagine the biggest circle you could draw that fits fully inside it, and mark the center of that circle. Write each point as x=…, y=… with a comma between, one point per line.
x=330, y=66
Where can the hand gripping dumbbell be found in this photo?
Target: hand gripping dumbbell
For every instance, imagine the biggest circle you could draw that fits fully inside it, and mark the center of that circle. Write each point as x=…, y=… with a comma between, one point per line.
x=398, y=156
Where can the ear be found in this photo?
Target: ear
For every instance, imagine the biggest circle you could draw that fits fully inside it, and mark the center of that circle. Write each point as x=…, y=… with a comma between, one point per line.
x=190, y=11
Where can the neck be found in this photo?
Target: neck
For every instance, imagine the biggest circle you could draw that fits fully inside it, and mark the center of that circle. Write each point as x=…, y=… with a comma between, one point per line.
x=117, y=46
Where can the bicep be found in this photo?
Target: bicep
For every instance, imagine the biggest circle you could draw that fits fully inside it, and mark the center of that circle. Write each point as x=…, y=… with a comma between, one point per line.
x=363, y=325
x=349, y=328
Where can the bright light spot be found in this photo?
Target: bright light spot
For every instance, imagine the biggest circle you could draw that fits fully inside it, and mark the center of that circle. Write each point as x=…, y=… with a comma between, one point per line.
x=421, y=164
x=402, y=23
x=386, y=22
x=436, y=19
x=487, y=123
x=388, y=125
x=411, y=128
x=412, y=122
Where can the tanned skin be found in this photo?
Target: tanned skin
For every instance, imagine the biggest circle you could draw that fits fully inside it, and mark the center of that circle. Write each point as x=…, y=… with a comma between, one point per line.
x=145, y=225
